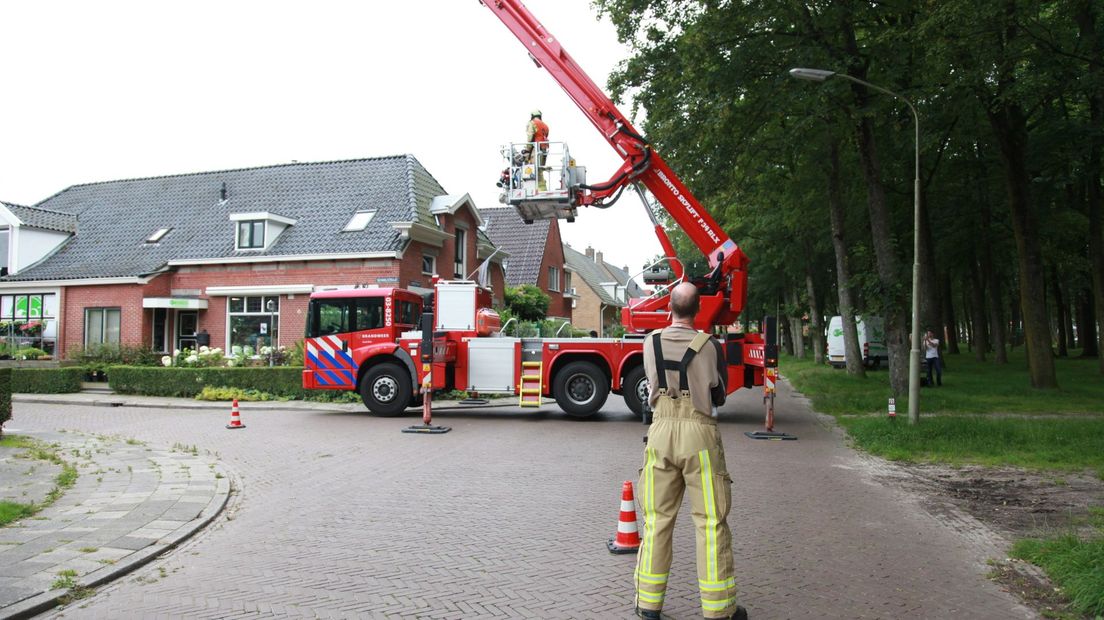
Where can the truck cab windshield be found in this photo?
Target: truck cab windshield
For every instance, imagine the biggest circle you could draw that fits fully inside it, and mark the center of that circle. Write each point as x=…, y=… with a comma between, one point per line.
x=326, y=317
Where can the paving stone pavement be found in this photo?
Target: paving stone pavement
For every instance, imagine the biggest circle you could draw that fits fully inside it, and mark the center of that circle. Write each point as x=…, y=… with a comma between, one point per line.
x=129, y=503
x=342, y=516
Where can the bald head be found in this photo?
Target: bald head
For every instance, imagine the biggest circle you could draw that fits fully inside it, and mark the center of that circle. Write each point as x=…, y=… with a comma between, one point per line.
x=684, y=301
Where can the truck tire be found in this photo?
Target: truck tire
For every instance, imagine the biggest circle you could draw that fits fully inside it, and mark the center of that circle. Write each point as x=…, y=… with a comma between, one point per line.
x=635, y=390
x=581, y=388
x=385, y=389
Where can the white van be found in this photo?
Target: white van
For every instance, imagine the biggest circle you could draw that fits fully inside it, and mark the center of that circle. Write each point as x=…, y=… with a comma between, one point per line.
x=871, y=341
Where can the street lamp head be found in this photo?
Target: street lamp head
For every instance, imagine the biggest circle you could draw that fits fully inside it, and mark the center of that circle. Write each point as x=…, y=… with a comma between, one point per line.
x=813, y=75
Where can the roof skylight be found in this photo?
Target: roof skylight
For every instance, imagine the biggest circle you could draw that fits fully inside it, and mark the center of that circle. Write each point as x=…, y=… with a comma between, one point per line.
x=155, y=237
x=359, y=221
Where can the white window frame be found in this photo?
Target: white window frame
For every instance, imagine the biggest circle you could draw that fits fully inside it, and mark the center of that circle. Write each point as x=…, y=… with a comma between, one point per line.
x=554, y=278
x=4, y=262
x=432, y=264
x=103, y=310
x=252, y=224
x=274, y=319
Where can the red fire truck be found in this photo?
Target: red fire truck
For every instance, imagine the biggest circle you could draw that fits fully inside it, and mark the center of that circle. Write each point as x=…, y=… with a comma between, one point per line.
x=377, y=341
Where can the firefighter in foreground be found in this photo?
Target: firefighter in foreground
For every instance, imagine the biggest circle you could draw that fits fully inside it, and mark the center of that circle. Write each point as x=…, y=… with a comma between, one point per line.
x=684, y=453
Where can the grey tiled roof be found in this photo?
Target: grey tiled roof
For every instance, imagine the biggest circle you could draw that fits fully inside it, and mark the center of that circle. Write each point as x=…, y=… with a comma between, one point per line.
x=591, y=273
x=622, y=276
x=36, y=217
x=525, y=242
x=116, y=217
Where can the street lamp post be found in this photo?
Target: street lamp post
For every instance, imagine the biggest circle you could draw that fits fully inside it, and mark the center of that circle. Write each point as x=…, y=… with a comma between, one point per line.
x=820, y=75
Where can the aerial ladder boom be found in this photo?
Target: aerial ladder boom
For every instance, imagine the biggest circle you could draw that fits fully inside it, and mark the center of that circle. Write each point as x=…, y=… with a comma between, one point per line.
x=724, y=290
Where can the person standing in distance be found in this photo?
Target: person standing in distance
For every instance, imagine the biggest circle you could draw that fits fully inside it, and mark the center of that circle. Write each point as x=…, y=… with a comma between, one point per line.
x=684, y=454
x=931, y=356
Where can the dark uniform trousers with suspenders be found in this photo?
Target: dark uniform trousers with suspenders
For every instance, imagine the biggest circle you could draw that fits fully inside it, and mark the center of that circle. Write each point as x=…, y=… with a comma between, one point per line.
x=684, y=454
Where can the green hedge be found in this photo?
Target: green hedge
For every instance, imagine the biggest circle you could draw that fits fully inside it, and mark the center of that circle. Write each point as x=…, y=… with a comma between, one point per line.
x=46, y=380
x=5, y=395
x=187, y=382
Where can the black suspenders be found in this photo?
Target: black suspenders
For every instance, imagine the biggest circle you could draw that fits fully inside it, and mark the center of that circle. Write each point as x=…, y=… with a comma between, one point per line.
x=662, y=365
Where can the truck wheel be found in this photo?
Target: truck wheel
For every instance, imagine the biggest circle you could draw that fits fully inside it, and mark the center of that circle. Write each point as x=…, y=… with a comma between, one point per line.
x=635, y=390
x=385, y=389
x=581, y=389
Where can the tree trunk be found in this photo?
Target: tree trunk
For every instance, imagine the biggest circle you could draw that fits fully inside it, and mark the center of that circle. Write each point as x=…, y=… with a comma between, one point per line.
x=816, y=324
x=1062, y=311
x=1088, y=30
x=1010, y=127
x=852, y=354
x=1009, y=123
x=787, y=335
x=889, y=275
x=989, y=278
x=793, y=302
x=1089, y=346
x=1071, y=342
x=948, y=316
x=979, y=338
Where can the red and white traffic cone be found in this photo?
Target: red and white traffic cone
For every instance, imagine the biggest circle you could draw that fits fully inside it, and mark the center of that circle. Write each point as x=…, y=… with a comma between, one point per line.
x=627, y=539
x=235, y=416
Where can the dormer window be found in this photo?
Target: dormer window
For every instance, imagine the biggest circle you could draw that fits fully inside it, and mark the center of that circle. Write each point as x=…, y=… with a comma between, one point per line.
x=258, y=230
x=155, y=237
x=251, y=234
x=359, y=221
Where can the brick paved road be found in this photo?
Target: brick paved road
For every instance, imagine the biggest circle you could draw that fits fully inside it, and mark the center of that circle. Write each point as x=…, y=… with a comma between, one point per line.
x=340, y=515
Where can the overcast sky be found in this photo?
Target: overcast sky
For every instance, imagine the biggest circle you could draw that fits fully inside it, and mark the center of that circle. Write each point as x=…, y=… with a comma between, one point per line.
x=96, y=91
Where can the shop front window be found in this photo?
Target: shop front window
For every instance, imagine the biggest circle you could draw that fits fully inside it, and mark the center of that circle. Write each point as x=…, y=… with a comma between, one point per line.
x=254, y=322
x=28, y=322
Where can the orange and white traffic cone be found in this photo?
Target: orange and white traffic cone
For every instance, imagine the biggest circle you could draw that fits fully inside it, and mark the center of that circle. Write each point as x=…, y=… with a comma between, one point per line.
x=235, y=417
x=627, y=539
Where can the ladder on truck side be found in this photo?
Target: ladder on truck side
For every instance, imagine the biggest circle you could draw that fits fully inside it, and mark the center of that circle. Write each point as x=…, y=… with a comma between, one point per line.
x=532, y=372
x=529, y=393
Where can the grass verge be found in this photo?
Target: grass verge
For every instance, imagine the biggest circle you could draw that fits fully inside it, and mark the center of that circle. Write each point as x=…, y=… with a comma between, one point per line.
x=14, y=511
x=985, y=414
x=1041, y=443
x=969, y=387
x=1074, y=563
x=41, y=451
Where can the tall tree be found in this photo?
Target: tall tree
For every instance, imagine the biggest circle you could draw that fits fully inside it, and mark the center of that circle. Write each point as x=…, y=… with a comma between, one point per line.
x=1090, y=23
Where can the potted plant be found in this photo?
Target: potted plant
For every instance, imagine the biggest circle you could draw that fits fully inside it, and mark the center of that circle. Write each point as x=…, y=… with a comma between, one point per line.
x=32, y=329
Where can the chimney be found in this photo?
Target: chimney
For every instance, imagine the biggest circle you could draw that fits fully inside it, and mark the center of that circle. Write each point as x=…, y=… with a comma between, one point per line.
x=598, y=257
x=590, y=252
x=625, y=269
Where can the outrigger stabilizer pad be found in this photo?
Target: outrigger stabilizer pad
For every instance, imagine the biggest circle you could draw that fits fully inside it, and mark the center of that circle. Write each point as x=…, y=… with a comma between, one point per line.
x=771, y=435
x=427, y=429
x=474, y=401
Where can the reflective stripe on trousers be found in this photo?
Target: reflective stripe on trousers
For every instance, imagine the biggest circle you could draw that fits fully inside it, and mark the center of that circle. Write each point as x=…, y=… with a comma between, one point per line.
x=684, y=453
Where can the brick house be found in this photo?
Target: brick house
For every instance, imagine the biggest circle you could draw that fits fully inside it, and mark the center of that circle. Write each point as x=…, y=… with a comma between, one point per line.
x=536, y=256
x=602, y=290
x=157, y=262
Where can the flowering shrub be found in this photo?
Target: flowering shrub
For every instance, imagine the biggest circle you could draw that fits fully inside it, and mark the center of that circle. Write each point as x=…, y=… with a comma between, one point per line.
x=31, y=329
x=187, y=358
